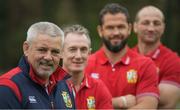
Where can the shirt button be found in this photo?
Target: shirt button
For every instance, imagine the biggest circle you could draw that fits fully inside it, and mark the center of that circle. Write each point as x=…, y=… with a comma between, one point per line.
x=113, y=69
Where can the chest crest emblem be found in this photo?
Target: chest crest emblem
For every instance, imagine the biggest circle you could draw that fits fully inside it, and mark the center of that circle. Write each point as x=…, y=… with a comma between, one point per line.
x=131, y=76
x=91, y=103
x=67, y=99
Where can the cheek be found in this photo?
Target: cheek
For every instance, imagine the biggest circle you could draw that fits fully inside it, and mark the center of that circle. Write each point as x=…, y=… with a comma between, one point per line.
x=66, y=59
x=32, y=57
x=141, y=30
x=56, y=60
x=34, y=61
x=141, y=27
x=106, y=33
x=85, y=57
x=161, y=30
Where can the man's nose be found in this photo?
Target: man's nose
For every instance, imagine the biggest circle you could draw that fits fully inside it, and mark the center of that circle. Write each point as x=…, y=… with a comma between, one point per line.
x=48, y=56
x=151, y=26
x=78, y=54
x=116, y=31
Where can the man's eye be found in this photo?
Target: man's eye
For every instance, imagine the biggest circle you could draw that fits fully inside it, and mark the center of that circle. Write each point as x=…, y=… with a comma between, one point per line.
x=55, y=52
x=121, y=27
x=84, y=50
x=110, y=27
x=42, y=50
x=157, y=23
x=72, y=49
x=145, y=23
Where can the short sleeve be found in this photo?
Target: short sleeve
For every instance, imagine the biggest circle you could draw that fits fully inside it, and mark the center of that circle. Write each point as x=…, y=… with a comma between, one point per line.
x=148, y=81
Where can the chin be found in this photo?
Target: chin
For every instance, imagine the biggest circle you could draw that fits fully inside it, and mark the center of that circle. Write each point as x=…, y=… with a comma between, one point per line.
x=150, y=41
x=77, y=70
x=45, y=73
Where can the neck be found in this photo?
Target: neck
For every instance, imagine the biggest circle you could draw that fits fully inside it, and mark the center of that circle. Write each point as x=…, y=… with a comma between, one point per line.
x=145, y=48
x=115, y=57
x=46, y=83
x=77, y=79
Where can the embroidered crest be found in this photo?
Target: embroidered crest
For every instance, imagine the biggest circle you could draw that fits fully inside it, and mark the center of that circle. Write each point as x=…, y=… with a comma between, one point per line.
x=131, y=76
x=66, y=99
x=91, y=103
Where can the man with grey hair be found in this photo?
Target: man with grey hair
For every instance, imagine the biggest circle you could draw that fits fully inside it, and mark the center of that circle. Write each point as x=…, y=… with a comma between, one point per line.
x=38, y=82
x=149, y=26
x=89, y=93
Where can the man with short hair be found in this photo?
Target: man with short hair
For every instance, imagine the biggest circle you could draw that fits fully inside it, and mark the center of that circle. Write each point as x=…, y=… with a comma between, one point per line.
x=131, y=78
x=38, y=82
x=149, y=26
x=89, y=93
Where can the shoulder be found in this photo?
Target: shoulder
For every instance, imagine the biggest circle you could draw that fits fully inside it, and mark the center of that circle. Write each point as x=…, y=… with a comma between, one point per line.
x=11, y=73
x=169, y=56
x=98, y=86
x=6, y=80
x=168, y=52
x=9, y=87
x=95, y=82
x=96, y=54
x=138, y=58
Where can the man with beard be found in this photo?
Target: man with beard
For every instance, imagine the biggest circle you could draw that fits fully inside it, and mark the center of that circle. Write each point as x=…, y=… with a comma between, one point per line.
x=38, y=82
x=131, y=78
x=149, y=27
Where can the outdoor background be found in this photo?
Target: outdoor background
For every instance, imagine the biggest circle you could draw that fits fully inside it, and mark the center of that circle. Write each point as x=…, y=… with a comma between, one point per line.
x=17, y=15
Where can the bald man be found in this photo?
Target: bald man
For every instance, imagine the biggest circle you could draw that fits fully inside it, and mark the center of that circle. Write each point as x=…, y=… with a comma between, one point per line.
x=149, y=26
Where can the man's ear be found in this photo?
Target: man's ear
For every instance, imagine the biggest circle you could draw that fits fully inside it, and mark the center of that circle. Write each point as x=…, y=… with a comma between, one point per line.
x=130, y=28
x=99, y=29
x=90, y=50
x=25, y=48
x=135, y=27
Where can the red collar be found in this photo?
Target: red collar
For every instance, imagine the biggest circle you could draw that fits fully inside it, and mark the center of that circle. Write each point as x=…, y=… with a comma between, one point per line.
x=59, y=74
x=85, y=83
x=152, y=54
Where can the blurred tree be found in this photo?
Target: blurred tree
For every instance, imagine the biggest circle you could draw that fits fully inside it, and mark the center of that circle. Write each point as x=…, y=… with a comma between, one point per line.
x=17, y=15
x=172, y=15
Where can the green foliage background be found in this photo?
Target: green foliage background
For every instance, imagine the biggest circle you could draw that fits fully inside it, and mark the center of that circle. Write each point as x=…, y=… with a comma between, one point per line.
x=17, y=15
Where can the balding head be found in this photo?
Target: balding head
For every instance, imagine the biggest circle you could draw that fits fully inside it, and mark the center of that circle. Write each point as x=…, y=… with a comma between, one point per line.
x=149, y=11
x=149, y=25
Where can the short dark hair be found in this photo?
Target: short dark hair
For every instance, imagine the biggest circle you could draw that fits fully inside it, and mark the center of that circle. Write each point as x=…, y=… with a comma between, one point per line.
x=113, y=8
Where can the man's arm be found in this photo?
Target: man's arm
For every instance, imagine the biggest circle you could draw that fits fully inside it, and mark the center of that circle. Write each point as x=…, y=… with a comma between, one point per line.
x=147, y=93
x=126, y=101
x=169, y=95
x=146, y=102
x=8, y=99
x=104, y=97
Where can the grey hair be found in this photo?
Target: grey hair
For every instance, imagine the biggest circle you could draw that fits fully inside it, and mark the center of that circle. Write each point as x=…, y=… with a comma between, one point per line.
x=46, y=28
x=79, y=29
